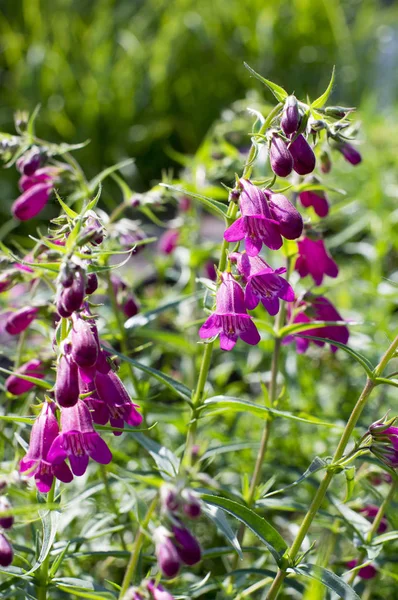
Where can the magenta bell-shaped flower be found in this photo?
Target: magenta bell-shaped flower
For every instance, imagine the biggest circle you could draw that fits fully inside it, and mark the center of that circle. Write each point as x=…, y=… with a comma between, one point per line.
x=313, y=259
x=166, y=553
x=291, y=117
x=35, y=463
x=230, y=319
x=67, y=382
x=112, y=391
x=370, y=511
x=71, y=298
x=130, y=306
x=168, y=241
x=280, y=158
x=290, y=222
x=317, y=200
x=350, y=153
x=320, y=309
x=256, y=224
x=303, y=155
x=45, y=175
x=91, y=283
x=84, y=342
x=78, y=440
x=20, y=320
x=17, y=386
x=98, y=409
x=6, y=551
x=263, y=284
x=368, y=572
x=8, y=521
x=158, y=592
x=31, y=202
x=187, y=545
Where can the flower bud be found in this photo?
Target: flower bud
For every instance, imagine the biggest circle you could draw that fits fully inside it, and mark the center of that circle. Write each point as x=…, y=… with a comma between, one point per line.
x=91, y=283
x=72, y=297
x=8, y=279
x=67, y=382
x=368, y=572
x=187, y=545
x=20, y=320
x=192, y=507
x=316, y=199
x=303, y=155
x=30, y=162
x=326, y=163
x=169, y=498
x=280, y=158
x=168, y=241
x=130, y=306
x=158, y=592
x=6, y=551
x=166, y=553
x=31, y=202
x=291, y=116
x=17, y=386
x=6, y=522
x=350, y=153
x=290, y=222
x=84, y=343
x=94, y=226
x=338, y=112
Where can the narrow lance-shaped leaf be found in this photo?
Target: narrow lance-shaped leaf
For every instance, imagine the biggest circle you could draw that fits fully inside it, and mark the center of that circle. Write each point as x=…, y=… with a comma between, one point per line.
x=278, y=91
x=321, y=101
x=329, y=580
x=214, y=205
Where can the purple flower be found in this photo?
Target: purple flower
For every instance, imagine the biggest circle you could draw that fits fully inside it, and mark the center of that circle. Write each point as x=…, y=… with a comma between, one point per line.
x=169, y=498
x=256, y=224
x=44, y=431
x=91, y=283
x=17, y=386
x=291, y=117
x=71, y=297
x=112, y=391
x=313, y=259
x=262, y=283
x=84, y=342
x=318, y=309
x=166, y=553
x=31, y=202
x=78, y=440
x=367, y=572
x=303, y=155
x=6, y=522
x=30, y=162
x=6, y=551
x=192, y=507
x=317, y=200
x=168, y=241
x=67, y=382
x=45, y=175
x=370, y=511
x=158, y=592
x=280, y=158
x=130, y=306
x=20, y=320
x=230, y=319
x=187, y=545
x=350, y=153
x=97, y=407
x=385, y=442
x=290, y=222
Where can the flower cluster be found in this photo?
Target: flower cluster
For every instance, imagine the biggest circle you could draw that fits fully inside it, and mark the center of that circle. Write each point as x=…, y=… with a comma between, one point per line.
x=384, y=441
x=148, y=590
x=177, y=545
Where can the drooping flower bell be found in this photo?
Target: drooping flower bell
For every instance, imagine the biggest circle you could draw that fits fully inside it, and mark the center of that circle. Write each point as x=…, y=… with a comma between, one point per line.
x=256, y=225
x=313, y=259
x=71, y=297
x=318, y=308
x=385, y=441
x=230, y=319
x=67, y=381
x=167, y=556
x=168, y=241
x=121, y=409
x=158, y=592
x=78, y=440
x=303, y=155
x=20, y=320
x=7, y=521
x=29, y=162
x=35, y=463
x=368, y=572
x=316, y=199
x=84, y=342
x=350, y=153
x=187, y=545
x=44, y=175
x=291, y=117
x=17, y=386
x=91, y=283
x=263, y=284
x=290, y=222
x=31, y=202
x=280, y=158
x=6, y=551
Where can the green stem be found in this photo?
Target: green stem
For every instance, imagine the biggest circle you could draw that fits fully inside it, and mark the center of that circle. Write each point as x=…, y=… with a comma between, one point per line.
x=208, y=349
x=321, y=492
x=43, y=572
x=139, y=540
x=375, y=526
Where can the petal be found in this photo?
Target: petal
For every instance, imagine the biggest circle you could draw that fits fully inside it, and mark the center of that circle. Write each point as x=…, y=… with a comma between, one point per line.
x=287, y=292
x=253, y=246
x=97, y=448
x=210, y=327
x=251, y=335
x=271, y=304
x=119, y=423
x=44, y=481
x=132, y=416
x=251, y=299
x=57, y=453
x=63, y=472
x=227, y=342
x=301, y=345
x=331, y=268
x=236, y=231
x=79, y=464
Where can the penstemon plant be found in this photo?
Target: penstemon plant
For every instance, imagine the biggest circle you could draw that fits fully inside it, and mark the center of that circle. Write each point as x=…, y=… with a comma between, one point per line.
x=89, y=376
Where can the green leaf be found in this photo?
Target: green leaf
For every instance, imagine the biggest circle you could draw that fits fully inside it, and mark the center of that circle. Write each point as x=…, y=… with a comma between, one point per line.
x=278, y=91
x=39, y=382
x=144, y=318
x=50, y=520
x=258, y=525
x=321, y=101
x=353, y=519
x=69, y=211
x=221, y=403
x=329, y=580
x=108, y=171
x=30, y=128
x=316, y=465
x=16, y=419
x=82, y=588
x=349, y=473
x=166, y=461
x=385, y=537
x=93, y=203
x=214, y=205
x=179, y=388
x=219, y=519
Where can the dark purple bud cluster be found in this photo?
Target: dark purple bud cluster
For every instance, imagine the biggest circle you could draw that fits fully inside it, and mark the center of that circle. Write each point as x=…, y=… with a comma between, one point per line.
x=125, y=298
x=177, y=544
x=384, y=436
x=74, y=283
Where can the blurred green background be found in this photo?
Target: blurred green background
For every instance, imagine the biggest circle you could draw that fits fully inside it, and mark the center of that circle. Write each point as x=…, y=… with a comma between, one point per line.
x=139, y=76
